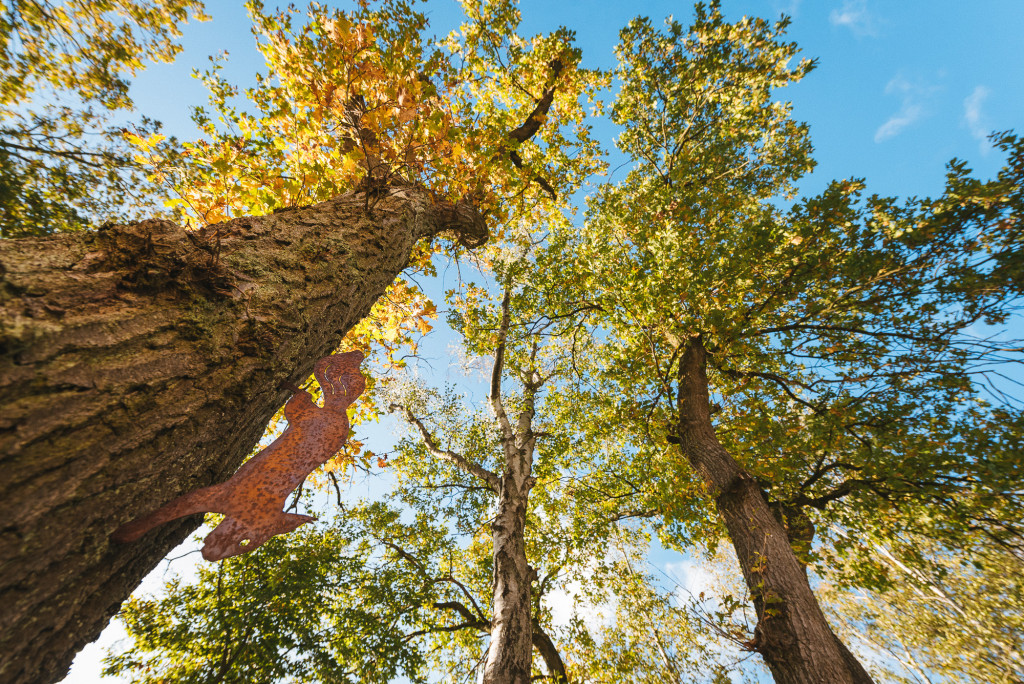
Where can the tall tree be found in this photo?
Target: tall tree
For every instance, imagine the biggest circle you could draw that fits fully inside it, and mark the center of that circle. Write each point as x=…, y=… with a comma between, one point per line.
x=126, y=352
x=835, y=336
x=504, y=468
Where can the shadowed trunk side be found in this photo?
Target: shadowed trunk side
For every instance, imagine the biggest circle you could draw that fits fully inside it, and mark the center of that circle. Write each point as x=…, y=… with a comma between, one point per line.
x=792, y=633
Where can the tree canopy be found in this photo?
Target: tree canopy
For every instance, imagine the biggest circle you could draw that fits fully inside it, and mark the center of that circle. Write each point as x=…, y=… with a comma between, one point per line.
x=806, y=394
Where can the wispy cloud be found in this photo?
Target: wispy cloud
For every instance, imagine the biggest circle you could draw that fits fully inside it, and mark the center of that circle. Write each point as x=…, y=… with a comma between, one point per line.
x=975, y=119
x=854, y=14
x=911, y=109
x=788, y=7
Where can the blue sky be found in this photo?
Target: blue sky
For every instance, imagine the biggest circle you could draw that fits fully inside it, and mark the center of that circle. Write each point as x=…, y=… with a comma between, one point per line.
x=900, y=89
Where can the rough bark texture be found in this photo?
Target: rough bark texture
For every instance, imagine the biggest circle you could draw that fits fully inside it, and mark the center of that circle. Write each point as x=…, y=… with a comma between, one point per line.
x=510, y=655
x=792, y=633
x=141, y=362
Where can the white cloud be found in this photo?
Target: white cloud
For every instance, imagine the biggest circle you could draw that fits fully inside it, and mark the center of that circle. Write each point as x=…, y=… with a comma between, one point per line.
x=788, y=7
x=907, y=115
x=975, y=119
x=691, y=578
x=855, y=15
x=567, y=602
x=911, y=109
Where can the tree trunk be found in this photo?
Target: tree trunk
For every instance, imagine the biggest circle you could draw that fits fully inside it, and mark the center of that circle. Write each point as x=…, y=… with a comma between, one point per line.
x=141, y=362
x=510, y=654
x=792, y=634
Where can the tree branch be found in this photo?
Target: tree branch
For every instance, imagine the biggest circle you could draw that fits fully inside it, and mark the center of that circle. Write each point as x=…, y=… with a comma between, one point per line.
x=458, y=461
x=552, y=658
x=499, y=366
x=533, y=123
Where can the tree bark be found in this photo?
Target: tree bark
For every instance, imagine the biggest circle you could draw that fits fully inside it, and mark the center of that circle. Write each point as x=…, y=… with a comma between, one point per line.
x=510, y=655
x=792, y=633
x=141, y=362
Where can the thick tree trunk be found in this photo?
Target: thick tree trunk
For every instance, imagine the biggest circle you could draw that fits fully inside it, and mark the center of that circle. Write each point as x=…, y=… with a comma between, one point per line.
x=510, y=654
x=792, y=634
x=141, y=362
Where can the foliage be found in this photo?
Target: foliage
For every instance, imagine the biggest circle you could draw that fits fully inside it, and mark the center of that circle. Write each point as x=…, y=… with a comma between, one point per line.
x=65, y=68
x=367, y=99
x=307, y=607
x=366, y=96
x=849, y=376
x=646, y=637
x=948, y=611
x=838, y=331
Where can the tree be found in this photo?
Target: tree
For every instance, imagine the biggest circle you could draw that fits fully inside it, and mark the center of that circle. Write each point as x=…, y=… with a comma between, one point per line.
x=120, y=376
x=936, y=611
x=525, y=347
x=65, y=70
x=835, y=335
x=126, y=352
x=366, y=598
x=491, y=538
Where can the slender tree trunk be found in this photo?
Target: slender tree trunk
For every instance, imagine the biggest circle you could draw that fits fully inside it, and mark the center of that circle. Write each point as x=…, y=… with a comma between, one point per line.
x=549, y=653
x=792, y=634
x=141, y=362
x=510, y=655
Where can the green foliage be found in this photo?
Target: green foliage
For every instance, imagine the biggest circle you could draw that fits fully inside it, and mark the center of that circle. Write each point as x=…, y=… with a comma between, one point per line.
x=839, y=331
x=952, y=611
x=64, y=67
x=644, y=637
x=844, y=356
x=309, y=607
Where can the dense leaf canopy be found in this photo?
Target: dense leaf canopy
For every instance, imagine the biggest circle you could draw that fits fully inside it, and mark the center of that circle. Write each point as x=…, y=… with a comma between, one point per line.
x=852, y=346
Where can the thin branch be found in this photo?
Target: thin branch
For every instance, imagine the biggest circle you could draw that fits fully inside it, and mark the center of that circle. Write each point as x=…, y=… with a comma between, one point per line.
x=455, y=459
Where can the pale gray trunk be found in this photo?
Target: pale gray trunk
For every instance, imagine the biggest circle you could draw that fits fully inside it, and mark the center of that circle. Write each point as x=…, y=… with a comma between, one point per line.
x=141, y=362
x=792, y=633
x=510, y=655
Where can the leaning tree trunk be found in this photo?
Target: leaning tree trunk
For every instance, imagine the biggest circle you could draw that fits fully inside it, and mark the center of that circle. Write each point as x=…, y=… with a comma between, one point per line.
x=792, y=633
x=140, y=362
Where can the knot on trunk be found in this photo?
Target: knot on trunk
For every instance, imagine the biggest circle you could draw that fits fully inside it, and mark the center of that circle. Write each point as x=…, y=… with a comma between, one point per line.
x=466, y=225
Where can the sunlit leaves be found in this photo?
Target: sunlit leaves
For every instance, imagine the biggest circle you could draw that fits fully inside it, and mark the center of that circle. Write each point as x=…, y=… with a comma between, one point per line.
x=65, y=67
x=365, y=97
x=308, y=607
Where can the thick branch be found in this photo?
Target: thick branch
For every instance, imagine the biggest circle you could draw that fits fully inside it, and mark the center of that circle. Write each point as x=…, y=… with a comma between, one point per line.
x=549, y=652
x=533, y=123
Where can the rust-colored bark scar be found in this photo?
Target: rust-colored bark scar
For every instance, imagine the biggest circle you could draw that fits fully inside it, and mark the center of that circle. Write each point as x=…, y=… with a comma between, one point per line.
x=253, y=499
